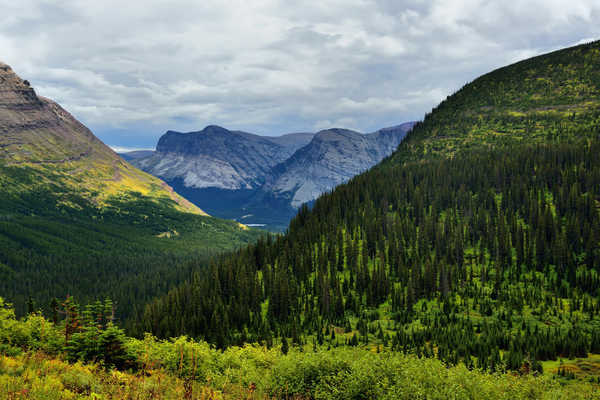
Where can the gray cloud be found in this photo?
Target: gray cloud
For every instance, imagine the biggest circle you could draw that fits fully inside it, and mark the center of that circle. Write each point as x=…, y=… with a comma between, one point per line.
x=131, y=70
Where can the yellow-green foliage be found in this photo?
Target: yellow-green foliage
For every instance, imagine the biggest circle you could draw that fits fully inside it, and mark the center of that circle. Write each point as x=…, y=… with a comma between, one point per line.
x=553, y=97
x=35, y=376
x=32, y=366
x=582, y=368
x=253, y=372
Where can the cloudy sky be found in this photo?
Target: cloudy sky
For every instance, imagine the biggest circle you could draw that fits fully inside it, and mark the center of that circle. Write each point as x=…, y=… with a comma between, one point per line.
x=132, y=69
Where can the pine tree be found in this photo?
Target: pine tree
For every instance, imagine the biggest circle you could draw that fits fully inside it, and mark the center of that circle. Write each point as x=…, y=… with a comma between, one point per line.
x=284, y=345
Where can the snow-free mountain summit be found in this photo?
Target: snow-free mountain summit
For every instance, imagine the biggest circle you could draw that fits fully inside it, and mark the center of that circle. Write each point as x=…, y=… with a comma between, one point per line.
x=219, y=158
x=38, y=136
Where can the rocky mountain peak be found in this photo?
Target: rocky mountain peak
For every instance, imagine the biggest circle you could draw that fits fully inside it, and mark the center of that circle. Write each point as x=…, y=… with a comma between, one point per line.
x=199, y=142
x=215, y=157
x=35, y=129
x=16, y=93
x=332, y=157
x=215, y=130
x=336, y=134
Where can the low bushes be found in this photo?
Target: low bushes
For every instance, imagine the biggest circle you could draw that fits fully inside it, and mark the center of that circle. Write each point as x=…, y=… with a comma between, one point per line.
x=37, y=362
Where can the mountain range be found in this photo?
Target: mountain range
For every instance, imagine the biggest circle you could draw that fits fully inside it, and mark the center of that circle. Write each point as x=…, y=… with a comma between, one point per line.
x=262, y=179
x=219, y=158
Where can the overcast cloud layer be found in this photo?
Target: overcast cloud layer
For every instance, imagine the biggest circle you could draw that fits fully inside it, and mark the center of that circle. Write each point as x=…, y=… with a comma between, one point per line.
x=132, y=69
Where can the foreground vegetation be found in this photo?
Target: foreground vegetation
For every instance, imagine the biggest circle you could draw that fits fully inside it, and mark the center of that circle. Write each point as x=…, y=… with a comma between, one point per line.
x=68, y=360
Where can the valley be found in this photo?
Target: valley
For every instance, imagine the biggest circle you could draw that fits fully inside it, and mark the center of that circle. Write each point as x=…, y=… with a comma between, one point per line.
x=458, y=256
x=476, y=242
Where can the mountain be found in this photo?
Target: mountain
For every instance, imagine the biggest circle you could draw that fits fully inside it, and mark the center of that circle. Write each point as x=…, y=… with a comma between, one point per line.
x=476, y=242
x=217, y=157
x=75, y=218
x=331, y=158
x=388, y=139
x=259, y=179
x=40, y=136
x=538, y=100
x=292, y=141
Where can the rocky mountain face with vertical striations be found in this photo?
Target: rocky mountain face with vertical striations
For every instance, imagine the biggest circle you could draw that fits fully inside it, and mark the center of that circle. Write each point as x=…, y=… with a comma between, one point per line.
x=331, y=158
x=35, y=129
x=40, y=137
x=218, y=158
x=253, y=178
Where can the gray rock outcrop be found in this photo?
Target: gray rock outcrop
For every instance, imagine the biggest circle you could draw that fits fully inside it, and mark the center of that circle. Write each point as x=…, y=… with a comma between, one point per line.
x=219, y=158
x=331, y=158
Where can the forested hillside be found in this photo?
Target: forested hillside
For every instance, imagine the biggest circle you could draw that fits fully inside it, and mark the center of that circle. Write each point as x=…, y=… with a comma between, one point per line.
x=476, y=242
x=553, y=97
x=131, y=250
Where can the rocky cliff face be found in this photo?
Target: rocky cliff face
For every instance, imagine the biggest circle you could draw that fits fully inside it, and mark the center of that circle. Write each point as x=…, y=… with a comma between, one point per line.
x=331, y=158
x=388, y=139
x=218, y=158
x=35, y=129
x=39, y=135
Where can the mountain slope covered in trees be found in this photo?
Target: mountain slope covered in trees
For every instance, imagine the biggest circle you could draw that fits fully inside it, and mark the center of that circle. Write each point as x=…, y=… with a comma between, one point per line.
x=477, y=242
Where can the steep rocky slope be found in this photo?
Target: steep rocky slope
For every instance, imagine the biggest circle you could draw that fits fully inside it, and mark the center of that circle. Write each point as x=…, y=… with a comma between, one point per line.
x=218, y=158
x=40, y=137
x=259, y=179
x=331, y=158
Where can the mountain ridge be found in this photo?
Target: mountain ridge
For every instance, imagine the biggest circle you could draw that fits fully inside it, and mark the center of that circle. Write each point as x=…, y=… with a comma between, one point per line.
x=331, y=158
x=495, y=111
x=216, y=157
x=38, y=133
